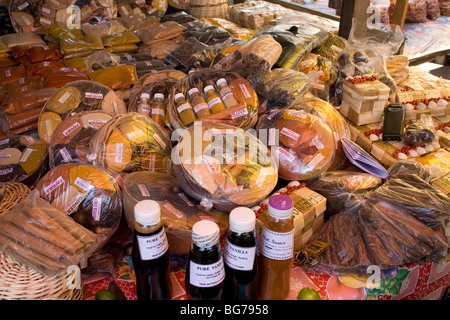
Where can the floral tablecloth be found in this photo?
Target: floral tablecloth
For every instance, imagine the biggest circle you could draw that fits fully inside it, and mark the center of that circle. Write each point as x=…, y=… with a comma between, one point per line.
x=415, y=281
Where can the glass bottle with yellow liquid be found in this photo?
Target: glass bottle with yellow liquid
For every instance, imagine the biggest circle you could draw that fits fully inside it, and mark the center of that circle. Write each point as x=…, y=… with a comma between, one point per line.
x=213, y=100
x=184, y=108
x=158, y=109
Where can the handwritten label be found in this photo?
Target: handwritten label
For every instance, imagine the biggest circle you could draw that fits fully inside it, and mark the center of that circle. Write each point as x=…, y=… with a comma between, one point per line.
x=53, y=185
x=96, y=208
x=71, y=129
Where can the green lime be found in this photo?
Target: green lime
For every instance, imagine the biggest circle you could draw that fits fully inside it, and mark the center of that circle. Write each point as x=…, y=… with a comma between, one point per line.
x=308, y=294
x=105, y=294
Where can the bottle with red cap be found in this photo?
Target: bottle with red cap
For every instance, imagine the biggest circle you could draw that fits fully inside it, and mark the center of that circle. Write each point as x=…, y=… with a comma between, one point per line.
x=150, y=253
x=276, y=249
x=240, y=256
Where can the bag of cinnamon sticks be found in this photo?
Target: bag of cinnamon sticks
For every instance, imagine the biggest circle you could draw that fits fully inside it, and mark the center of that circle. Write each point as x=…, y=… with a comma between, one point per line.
x=45, y=238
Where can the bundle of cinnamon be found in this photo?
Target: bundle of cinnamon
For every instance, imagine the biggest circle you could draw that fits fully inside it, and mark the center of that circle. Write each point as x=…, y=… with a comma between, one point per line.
x=44, y=238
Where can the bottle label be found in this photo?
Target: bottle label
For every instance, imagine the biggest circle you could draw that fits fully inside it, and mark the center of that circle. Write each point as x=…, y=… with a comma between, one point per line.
x=277, y=245
x=225, y=93
x=199, y=107
x=239, y=258
x=206, y=275
x=183, y=107
x=158, y=111
x=213, y=102
x=154, y=246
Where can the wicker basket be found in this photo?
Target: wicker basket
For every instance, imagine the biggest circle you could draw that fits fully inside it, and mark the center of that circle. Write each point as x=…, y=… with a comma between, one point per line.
x=207, y=3
x=15, y=192
x=19, y=282
x=211, y=11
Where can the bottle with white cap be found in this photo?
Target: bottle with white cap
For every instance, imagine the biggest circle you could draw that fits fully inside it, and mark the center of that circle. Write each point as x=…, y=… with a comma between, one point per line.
x=205, y=270
x=159, y=109
x=150, y=253
x=144, y=107
x=226, y=93
x=240, y=256
x=276, y=249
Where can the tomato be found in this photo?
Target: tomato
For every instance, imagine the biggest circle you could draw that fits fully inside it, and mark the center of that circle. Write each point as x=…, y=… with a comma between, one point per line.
x=308, y=294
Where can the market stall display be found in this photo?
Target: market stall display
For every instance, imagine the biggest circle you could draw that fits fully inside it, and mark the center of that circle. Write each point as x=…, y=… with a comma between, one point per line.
x=257, y=108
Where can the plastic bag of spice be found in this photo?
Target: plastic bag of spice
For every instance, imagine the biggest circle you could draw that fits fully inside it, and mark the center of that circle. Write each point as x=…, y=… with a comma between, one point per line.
x=44, y=238
x=445, y=7
x=131, y=142
x=23, y=159
x=306, y=144
x=115, y=77
x=88, y=194
x=223, y=166
x=433, y=9
x=254, y=57
x=76, y=97
x=71, y=138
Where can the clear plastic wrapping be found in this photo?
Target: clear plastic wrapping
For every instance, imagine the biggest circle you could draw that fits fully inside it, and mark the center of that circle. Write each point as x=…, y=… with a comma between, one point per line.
x=306, y=144
x=70, y=140
x=131, y=142
x=253, y=58
x=282, y=86
x=244, y=113
x=115, y=77
x=45, y=238
x=179, y=211
x=255, y=14
x=433, y=9
x=23, y=159
x=223, y=166
x=73, y=98
x=155, y=8
x=339, y=187
x=88, y=194
x=445, y=7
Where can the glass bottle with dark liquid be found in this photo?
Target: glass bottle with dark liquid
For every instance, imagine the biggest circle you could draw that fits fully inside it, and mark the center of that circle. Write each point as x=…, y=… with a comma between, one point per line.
x=150, y=255
x=205, y=270
x=240, y=256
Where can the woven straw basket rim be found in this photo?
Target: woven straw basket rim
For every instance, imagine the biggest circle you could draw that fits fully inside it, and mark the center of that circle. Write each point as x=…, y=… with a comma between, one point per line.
x=19, y=282
x=15, y=192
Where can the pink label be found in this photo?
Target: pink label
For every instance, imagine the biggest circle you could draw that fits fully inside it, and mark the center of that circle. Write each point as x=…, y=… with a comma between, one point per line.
x=143, y=190
x=245, y=91
x=239, y=113
x=70, y=129
x=55, y=184
x=94, y=95
x=285, y=154
x=96, y=208
x=289, y=133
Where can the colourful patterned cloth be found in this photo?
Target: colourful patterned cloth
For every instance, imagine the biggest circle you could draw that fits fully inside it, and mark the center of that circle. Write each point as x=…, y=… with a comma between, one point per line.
x=424, y=281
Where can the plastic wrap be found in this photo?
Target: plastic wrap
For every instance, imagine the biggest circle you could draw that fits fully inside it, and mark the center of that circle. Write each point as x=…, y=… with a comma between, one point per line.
x=83, y=44
x=33, y=54
x=332, y=47
x=420, y=132
x=12, y=40
x=133, y=22
x=254, y=57
x=223, y=166
x=158, y=82
x=44, y=238
x=115, y=77
x=88, y=194
x=131, y=142
x=329, y=115
x=410, y=166
x=366, y=55
x=180, y=57
x=161, y=31
x=179, y=211
x=243, y=114
x=160, y=49
x=255, y=14
x=23, y=159
x=70, y=140
x=73, y=98
x=234, y=29
x=205, y=58
x=103, y=28
x=445, y=7
x=30, y=15
x=12, y=74
x=339, y=187
x=417, y=11
x=306, y=144
x=398, y=67
x=433, y=9
x=377, y=233
x=96, y=60
x=322, y=73
x=282, y=86
x=58, y=78
x=27, y=100
x=155, y=8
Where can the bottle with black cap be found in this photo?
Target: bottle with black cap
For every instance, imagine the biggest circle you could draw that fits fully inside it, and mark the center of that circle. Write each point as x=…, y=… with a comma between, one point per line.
x=205, y=270
x=150, y=255
x=240, y=256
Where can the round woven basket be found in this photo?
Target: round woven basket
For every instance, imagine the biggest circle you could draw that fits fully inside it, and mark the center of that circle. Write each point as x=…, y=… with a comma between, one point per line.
x=210, y=11
x=14, y=193
x=207, y=3
x=19, y=282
